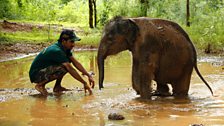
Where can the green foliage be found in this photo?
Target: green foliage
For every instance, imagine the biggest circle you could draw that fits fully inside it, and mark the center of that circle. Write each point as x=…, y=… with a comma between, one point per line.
x=25, y=37
x=105, y=11
x=65, y=1
x=207, y=24
x=5, y=9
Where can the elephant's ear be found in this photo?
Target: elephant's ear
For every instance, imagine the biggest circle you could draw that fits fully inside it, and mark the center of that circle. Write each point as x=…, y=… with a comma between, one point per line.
x=133, y=27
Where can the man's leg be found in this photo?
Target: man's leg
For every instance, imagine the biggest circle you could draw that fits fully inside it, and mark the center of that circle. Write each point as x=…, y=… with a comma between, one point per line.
x=41, y=87
x=58, y=88
x=49, y=74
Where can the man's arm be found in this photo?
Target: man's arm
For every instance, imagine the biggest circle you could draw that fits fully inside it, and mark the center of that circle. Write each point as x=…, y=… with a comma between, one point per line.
x=82, y=69
x=76, y=75
x=79, y=66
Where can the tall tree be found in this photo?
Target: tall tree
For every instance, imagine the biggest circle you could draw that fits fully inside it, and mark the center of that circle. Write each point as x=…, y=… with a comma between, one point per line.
x=95, y=13
x=91, y=13
x=188, y=13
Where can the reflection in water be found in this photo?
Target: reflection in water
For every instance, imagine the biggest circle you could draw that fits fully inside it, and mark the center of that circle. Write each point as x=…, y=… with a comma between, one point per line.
x=49, y=112
x=73, y=108
x=14, y=73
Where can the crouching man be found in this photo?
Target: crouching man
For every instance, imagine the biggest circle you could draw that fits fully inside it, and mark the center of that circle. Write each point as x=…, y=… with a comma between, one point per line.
x=54, y=62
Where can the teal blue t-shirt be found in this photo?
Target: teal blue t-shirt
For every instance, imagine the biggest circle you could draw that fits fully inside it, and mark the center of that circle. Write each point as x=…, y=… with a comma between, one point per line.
x=52, y=55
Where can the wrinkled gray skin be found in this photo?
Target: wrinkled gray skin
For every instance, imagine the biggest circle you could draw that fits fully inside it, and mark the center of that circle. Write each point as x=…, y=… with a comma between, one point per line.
x=161, y=51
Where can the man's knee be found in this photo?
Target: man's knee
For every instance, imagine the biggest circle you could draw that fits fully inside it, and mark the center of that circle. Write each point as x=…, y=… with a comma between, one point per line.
x=50, y=73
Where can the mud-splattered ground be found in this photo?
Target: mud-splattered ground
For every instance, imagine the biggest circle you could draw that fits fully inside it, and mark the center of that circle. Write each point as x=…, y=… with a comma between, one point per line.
x=21, y=104
x=20, y=93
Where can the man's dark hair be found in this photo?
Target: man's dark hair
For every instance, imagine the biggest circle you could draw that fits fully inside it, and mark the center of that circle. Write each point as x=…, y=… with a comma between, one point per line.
x=68, y=34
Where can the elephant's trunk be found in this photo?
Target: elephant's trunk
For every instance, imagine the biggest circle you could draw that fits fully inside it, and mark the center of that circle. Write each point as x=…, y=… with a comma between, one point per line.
x=100, y=61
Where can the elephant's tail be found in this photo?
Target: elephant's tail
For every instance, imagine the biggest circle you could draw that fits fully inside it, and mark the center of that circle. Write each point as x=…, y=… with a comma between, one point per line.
x=199, y=74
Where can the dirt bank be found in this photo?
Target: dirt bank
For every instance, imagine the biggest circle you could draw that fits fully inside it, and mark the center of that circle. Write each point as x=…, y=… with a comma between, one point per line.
x=18, y=50
x=11, y=51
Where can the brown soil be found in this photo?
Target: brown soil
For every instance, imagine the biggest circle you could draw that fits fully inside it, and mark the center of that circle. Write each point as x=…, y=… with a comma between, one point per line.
x=13, y=27
x=10, y=51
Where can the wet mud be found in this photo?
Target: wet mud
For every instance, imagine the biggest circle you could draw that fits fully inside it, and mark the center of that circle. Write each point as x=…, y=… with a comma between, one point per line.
x=21, y=104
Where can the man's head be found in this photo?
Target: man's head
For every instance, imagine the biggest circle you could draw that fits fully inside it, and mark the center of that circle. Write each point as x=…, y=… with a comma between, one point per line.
x=67, y=38
x=68, y=35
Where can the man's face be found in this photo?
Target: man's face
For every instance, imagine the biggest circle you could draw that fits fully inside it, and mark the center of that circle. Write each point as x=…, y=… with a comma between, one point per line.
x=68, y=44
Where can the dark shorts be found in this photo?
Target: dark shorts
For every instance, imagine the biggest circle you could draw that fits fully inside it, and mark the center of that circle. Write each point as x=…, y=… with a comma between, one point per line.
x=50, y=73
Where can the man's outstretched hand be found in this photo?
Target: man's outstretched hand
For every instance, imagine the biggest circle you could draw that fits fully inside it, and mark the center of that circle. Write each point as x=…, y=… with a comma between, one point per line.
x=87, y=88
x=91, y=82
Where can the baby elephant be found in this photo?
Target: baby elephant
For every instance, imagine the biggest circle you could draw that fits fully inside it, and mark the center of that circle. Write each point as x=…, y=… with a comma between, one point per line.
x=161, y=51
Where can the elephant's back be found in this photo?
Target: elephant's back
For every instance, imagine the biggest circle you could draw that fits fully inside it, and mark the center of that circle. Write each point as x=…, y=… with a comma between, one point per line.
x=167, y=34
x=160, y=23
x=177, y=51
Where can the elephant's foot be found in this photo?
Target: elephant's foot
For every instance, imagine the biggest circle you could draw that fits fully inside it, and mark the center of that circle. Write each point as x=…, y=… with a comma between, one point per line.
x=146, y=94
x=180, y=94
x=163, y=94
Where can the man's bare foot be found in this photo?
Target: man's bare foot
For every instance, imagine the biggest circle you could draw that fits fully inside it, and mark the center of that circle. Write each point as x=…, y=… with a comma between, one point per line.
x=60, y=89
x=41, y=89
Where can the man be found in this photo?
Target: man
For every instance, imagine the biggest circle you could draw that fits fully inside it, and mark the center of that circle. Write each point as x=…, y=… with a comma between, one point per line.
x=54, y=62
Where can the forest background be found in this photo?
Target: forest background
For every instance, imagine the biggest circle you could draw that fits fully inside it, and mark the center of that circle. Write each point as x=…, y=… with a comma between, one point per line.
x=205, y=19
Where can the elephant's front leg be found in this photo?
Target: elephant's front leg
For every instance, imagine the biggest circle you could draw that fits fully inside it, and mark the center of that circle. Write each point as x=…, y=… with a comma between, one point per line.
x=135, y=76
x=146, y=76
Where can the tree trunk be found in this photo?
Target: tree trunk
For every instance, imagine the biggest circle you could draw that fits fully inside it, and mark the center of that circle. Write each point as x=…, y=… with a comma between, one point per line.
x=90, y=14
x=188, y=14
x=95, y=13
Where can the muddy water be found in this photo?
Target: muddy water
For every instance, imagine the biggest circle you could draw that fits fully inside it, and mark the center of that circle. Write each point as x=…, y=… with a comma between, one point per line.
x=21, y=105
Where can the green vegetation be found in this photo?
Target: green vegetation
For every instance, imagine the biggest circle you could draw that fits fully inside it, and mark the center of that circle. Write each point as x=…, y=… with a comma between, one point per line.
x=206, y=18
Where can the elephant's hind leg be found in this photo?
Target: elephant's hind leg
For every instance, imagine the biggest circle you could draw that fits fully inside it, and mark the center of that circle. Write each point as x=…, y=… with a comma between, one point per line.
x=181, y=86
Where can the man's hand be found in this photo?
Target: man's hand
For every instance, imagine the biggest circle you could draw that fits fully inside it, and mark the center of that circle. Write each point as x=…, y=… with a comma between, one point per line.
x=87, y=87
x=91, y=81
